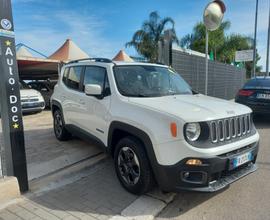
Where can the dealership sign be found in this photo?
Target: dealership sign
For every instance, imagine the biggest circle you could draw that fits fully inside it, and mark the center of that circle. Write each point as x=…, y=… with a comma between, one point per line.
x=243, y=55
x=13, y=152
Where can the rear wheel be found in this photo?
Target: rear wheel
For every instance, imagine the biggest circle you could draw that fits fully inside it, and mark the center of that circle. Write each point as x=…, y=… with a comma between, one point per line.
x=60, y=131
x=132, y=166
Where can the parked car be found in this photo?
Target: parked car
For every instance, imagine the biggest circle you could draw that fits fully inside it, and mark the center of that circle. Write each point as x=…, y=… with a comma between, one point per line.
x=156, y=129
x=31, y=100
x=256, y=95
x=45, y=88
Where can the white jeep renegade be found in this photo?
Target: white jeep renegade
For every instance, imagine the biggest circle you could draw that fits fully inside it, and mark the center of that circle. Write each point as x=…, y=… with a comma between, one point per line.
x=156, y=128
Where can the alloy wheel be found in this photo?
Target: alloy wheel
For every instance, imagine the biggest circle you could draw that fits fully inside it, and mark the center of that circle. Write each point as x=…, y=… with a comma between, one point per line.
x=128, y=165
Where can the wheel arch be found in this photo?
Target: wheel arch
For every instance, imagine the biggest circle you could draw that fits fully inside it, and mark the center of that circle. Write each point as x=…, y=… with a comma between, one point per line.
x=55, y=105
x=116, y=127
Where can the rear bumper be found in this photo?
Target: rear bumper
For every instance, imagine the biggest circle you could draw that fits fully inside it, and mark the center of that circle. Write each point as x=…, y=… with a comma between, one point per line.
x=214, y=174
x=257, y=107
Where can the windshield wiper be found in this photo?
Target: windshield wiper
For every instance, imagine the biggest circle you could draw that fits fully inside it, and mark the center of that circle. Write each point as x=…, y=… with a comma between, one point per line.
x=137, y=95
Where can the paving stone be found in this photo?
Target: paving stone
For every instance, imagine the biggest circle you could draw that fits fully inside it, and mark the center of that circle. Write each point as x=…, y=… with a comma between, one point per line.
x=44, y=153
x=144, y=208
x=7, y=215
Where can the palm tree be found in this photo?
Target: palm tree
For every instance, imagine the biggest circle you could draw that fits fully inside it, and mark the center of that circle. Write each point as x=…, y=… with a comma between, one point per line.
x=196, y=40
x=145, y=40
x=223, y=46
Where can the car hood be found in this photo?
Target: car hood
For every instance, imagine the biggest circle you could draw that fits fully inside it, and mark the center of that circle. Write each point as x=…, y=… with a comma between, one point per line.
x=193, y=108
x=29, y=92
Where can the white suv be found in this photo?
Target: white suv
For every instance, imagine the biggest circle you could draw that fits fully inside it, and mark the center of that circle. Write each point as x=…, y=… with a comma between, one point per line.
x=156, y=128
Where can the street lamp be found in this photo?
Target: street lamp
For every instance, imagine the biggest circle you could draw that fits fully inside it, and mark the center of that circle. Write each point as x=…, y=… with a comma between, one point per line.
x=212, y=18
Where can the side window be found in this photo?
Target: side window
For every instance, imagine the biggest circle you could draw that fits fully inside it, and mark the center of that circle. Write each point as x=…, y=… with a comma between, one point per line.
x=94, y=75
x=74, y=76
x=65, y=75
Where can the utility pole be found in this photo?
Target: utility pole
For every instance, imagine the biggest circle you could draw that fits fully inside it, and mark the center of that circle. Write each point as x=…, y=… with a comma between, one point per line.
x=212, y=18
x=206, y=61
x=255, y=41
x=268, y=45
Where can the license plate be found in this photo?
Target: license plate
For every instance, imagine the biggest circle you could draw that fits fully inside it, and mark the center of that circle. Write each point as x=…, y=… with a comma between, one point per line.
x=29, y=105
x=242, y=159
x=263, y=96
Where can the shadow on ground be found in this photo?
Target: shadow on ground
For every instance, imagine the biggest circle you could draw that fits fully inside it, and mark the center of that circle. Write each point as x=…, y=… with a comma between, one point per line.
x=96, y=196
x=262, y=121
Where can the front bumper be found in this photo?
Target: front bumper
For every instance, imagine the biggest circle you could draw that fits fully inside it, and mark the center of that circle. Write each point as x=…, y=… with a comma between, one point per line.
x=214, y=174
x=33, y=107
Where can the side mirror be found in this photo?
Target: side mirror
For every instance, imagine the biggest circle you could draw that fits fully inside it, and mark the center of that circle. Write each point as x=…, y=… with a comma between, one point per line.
x=93, y=90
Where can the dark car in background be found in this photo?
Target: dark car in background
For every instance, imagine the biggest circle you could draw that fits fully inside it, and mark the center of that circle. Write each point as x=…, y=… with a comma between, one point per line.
x=45, y=88
x=256, y=95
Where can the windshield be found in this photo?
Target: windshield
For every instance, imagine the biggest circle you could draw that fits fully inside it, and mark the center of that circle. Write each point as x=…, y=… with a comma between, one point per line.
x=149, y=81
x=23, y=85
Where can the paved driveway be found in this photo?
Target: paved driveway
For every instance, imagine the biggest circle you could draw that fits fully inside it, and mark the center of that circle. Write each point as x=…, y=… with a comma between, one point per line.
x=248, y=198
x=44, y=153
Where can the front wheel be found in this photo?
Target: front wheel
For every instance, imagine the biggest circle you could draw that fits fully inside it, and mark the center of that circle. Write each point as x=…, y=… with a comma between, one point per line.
x=132, y=166
x=60, y=131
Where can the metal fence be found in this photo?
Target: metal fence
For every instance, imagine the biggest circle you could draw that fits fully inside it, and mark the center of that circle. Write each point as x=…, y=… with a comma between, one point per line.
x=223, y=80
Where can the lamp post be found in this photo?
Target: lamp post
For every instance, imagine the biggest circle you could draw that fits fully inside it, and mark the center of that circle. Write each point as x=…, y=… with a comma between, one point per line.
x=268, y=45
x=212, y=18
x=255, y=39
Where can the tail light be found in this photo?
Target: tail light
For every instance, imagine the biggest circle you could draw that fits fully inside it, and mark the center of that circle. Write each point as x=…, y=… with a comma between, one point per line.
x=243, y=92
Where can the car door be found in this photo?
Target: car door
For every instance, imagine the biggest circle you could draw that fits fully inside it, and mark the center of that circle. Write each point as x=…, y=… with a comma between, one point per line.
x=72, y=103
x=95, y=119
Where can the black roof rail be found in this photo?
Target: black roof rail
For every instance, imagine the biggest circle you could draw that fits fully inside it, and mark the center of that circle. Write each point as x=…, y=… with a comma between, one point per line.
x=101, y=60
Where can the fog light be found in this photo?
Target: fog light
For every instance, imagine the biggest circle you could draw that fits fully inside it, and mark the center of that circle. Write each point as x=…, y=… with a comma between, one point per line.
x=185, y=175
x=194, y=162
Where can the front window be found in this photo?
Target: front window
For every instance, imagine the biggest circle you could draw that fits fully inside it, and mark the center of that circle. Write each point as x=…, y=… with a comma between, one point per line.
x=149, y=81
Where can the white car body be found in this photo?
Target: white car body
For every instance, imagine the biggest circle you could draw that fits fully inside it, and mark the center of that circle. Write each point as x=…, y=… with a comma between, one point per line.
x=153, y=116
x=31, y=100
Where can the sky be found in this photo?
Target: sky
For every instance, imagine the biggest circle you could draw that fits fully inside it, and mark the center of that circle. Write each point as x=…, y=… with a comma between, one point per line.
x=102, y=27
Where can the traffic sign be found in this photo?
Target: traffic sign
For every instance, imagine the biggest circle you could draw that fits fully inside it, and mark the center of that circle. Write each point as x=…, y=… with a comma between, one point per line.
x=243, y=55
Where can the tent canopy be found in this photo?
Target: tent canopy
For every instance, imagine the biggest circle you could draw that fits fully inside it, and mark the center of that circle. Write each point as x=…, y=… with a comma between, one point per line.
x=33, y=68
x=69, y=51
x=122, y=56
x=23, y=52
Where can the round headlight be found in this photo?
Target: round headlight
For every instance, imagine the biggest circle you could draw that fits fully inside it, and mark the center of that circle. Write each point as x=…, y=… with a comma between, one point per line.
x=193, y=131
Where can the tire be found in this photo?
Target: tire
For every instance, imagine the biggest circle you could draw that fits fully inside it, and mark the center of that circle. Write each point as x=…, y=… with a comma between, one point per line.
x=134, y=172
x=60, y=131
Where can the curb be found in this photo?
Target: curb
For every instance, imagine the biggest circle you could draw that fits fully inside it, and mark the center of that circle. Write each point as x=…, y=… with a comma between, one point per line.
x=9, y=191
x=65, y=176
x=146, y=207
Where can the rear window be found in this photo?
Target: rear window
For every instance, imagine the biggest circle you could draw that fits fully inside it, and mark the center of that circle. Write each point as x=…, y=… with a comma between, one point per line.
x=258, y=84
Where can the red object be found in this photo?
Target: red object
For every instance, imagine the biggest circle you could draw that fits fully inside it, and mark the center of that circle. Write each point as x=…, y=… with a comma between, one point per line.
x=243, y=92
x=222, y=5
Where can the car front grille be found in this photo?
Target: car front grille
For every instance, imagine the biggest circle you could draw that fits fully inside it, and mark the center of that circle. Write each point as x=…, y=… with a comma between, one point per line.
x=29, y=100
x=230, y=128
